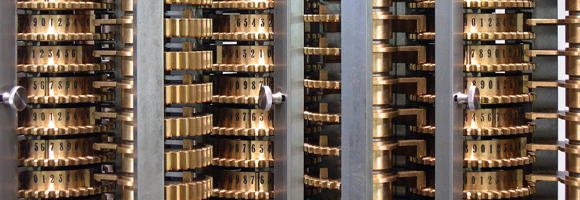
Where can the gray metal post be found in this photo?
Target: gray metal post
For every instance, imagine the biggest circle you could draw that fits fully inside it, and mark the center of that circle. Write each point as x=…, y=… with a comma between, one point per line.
x=356, y=97
x=448, y=114
x=8, y=147
x=149, y=99
x=288, y=117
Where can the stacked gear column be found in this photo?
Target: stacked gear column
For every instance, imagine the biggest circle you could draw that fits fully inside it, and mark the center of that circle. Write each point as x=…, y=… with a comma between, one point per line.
x=243, y=34
x=187, y=153
x=58, y=129
x=496, y=156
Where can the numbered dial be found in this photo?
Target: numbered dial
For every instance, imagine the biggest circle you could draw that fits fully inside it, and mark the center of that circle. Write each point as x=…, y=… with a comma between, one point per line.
x=487, y=58
x=244, y=27
x=249, y=120
x=56, y=24
x=236, y=184
x=491, y=153
x=488, y=122
x=60, y=152
x=78, y=89
x=58, y=28
x=493, y=90
x=59, y=121
x=486, y=27
x=244, y=153
x=490, y=185
x=482, y=4
x=56, y=55
x=245, y=55
x=239, y=90
x=59, y=183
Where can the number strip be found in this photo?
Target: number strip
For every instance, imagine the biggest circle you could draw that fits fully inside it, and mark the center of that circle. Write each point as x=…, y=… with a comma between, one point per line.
x=57, y=24
x=243, y=118
x=236, y=181
x=244, y=23
x=56, y=117
x=56, y=55
x=245, y=55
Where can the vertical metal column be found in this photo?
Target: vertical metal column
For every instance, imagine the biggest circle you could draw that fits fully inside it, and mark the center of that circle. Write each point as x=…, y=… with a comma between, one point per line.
x=8, y=160
x=448, y=114
x=356, y=99
x=149, y=99
x=289, y=117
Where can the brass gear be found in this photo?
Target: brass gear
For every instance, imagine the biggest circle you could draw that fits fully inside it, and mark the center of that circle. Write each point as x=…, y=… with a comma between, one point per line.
x=334, y=85
x=82, y=5
x=187, y=27
x=243, y=5
x=71, y=130
x=321, y=18
x=318, y=117
x=188, y=126
x=188, y=60
x=76, y=192
x=480, y=68
x=190, y=93
x=321, y=51
x=324, y=151
x=242, y=68
x=55, y=37
x=64, y=68
x=198, y=157
x=240, y=36
x=197, y=189
x=322, y=183
x=512, y=130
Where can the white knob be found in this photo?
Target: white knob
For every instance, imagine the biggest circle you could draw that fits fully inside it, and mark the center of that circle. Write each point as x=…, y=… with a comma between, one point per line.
x=16, y=98
x=266, y=98
x=471, y=98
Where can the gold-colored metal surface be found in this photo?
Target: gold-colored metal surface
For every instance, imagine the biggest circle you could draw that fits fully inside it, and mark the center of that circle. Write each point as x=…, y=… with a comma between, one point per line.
x=59, y=90
x=60, y=152
x=188, y=126
x=188, y=60
x=500, y=89
x=244, y=185
x=188, y=27
x=239, y=90
x=322, y=117
x=244, y=153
